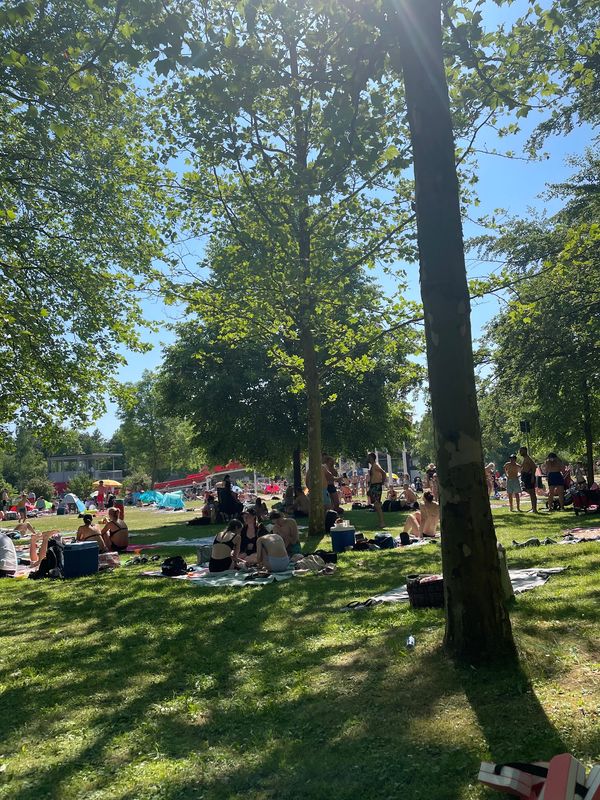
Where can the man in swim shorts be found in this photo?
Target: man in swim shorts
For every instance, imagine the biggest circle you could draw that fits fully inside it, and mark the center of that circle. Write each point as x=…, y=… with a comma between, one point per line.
x=528, y=468
x=513, y=484
x=377, y=477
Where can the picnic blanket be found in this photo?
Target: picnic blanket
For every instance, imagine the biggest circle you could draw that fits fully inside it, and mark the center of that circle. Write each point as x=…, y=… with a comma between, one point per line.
x=583, y=534
x=181, y=542
x=522, y=580
x=200, y=576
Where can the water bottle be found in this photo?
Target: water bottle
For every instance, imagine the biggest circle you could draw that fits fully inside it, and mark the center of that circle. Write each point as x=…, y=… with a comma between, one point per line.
x=410, y=642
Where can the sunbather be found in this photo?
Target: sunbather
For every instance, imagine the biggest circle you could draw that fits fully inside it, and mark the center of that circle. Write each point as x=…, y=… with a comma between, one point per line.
x=91, y=533
x=271, y=553
x=424, y=522
x=38, y=554
x=226, y=548
x=115, y=533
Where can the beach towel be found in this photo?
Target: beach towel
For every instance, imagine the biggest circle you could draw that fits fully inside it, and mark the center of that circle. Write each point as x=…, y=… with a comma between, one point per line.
x=583, y=534
x=200, y=576
x=522, y=580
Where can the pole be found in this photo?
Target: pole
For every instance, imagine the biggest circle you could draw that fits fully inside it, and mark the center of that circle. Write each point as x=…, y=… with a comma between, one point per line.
x=255, y=489
x=389, y=469
x=404, y=460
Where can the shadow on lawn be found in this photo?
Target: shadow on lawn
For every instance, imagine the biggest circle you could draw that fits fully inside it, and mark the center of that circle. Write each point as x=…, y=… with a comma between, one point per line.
x=260, y=692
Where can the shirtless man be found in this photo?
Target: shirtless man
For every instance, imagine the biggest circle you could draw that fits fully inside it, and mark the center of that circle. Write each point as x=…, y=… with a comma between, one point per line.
x=528, y=468
x=408, y=495
x=329, y=465
x=377, y=478
x=271, y=553
x=424, y=522
x=513, y=484
x=326, y=479
x=288, y=530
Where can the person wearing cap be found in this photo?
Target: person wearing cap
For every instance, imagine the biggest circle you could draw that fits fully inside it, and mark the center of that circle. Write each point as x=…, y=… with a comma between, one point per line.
x=91, y=533
x=513, y=484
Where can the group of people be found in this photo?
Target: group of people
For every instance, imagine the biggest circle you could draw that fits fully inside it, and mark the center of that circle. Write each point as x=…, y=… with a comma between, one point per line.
x=526, y=477
x=256, y=540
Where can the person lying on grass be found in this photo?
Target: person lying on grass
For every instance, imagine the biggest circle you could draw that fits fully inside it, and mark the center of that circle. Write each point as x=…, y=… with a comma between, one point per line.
x=115, y=533
x=424, y=522
x=91, y=533
x=38, y=554
x=271, y=553
x=225, y=552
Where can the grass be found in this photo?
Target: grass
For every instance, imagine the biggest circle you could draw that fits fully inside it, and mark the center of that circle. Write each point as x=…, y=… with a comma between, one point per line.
x=119, y=687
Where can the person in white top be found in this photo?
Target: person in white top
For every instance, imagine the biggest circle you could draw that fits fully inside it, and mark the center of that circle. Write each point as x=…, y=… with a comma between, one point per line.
x=8, y=556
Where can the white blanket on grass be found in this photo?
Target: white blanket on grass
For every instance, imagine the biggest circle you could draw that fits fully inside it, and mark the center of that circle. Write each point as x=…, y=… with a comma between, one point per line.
x=202, y=577
x=522, y=580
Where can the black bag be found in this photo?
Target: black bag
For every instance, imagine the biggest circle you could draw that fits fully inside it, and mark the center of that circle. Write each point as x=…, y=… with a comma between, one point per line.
x=199, y=521
x=174, y=565
x=52, y=565
x=404, y=539
x=385, y=541
x=328, y=557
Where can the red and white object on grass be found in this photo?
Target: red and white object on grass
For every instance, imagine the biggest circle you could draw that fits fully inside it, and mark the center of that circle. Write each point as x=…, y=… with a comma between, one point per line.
x=593, y=784
x=519, y=779
x=566, y=779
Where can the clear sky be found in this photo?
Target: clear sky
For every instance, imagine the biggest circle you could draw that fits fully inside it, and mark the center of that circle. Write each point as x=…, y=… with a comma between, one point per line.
x=513, y=185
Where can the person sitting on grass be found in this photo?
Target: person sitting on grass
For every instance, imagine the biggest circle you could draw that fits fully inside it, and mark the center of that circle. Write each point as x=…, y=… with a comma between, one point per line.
x=288, y=530
x=423, y=523
x=250, y=532
x=115, y=532
x=271, y=553
x=91, y=533
x=408, y=496
x=8, y=556
x=260, y=507
x=226, y=548
x=301, y=503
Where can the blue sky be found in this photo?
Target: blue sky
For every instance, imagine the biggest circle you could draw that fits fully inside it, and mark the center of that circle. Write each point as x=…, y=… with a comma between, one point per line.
x=513, y=185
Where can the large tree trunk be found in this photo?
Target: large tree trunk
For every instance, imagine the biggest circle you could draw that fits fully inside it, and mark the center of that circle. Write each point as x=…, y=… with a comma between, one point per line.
x=316, y=519
x=588, y=432
x=477, y=623
x=297, y=469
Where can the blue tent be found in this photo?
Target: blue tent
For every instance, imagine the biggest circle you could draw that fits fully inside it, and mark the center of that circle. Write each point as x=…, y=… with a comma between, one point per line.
x=151, y=496
x=172, y=500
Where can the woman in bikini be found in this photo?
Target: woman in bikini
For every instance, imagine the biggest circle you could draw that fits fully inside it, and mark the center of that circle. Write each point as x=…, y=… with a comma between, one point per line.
x=226, y=548
x=249, y=536
x=115, y=532
x=91, y=533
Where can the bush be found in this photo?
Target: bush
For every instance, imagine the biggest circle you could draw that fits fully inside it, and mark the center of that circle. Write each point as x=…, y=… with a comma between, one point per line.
x=138, y=481
x=41, y=487
x=12, y=492
x=81, y=485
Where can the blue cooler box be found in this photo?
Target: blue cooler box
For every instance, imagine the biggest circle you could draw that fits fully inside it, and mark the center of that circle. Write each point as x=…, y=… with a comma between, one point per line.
x=81, y=558
x=341, y=538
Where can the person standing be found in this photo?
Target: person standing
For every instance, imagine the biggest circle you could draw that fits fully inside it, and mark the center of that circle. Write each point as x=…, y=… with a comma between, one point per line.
x=101, y=496
x=329, y=465
x=377, y=478
x=556, y=481
x=528, y=468
x=22, y=507
x=513, y=484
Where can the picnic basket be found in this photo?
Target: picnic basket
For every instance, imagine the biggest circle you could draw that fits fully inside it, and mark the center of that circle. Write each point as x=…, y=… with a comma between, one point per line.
x=425, y=591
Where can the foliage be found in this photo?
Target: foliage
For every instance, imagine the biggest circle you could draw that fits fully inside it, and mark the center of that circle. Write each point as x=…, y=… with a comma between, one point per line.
x=41, y=487
x=553, y=309
x=81, y=485
x=422, y=445
x=23, y=458
x=138, y=481
x=155, y=440
x=242, y=405
x=81, y=203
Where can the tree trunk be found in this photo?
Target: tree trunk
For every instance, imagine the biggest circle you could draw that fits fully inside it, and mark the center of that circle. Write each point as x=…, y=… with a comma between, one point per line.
x=588, y=432
x=316, y=519
x=477, y=623
x=297, y=469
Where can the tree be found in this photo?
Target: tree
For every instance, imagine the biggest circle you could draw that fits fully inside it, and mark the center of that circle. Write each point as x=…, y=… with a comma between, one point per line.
x=297, y=181
x=240, y=404
x=477, y=622
x=82, y=206
x=156, y=441
x=41, y=487
x=81, y=485
x=553, y=308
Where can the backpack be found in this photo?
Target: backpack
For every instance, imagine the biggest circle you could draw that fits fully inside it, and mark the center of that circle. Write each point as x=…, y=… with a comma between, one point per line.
x=174, y=565
x=52, y=565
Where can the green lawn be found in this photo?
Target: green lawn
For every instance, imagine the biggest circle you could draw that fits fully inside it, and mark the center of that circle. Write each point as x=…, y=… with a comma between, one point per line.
x=116, y=686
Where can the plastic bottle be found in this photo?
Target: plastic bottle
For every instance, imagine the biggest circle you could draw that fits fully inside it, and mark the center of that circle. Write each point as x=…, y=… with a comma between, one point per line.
x=410, y=642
